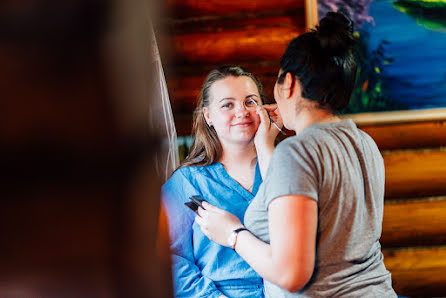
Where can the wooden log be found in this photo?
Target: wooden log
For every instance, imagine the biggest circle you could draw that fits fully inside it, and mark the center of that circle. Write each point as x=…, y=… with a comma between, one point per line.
x=398, y=117
x=417, y=223
x=418, y=272
x=408, y=135
x=229, y=47
x=183, y=93
x=213, y=24
x=189, y=8
x=258, y=68
x=419, y=173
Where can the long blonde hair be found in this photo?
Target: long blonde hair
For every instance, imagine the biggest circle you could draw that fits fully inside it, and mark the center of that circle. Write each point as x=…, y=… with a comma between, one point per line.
x=207, y=148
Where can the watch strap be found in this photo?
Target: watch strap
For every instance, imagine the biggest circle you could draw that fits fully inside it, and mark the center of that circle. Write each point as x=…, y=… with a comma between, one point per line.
x=236, y=235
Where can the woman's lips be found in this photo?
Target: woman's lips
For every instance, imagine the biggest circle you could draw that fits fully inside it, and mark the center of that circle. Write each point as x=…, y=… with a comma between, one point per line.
x=243, y=124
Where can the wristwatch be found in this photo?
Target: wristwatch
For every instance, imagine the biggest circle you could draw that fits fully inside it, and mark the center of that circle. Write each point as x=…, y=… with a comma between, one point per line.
x=232, y=239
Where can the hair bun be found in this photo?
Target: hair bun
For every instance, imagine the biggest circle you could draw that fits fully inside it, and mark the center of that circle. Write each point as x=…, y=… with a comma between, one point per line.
x=335, y=33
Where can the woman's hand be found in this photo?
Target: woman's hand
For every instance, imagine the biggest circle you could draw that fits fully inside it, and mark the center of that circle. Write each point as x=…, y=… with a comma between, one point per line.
x=267, y=132
x=216, y=223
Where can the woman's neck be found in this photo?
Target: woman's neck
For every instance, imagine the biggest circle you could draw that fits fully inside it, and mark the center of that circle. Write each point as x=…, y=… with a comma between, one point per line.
x=238, y=155
x=239, y=162
x=309, y=115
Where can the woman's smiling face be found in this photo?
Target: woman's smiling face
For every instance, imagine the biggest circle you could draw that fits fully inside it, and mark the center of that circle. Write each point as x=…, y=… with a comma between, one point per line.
x=231, y=111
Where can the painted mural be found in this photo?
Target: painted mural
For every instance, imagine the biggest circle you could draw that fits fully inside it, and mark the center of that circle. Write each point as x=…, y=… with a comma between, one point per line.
x=402, y=53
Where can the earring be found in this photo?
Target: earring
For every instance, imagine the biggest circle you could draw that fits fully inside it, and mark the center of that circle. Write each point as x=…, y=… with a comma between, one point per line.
x=210, y=124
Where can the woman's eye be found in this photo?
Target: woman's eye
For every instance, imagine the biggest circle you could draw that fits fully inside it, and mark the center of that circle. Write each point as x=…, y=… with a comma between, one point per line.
x=250, y=102
x=227, y=105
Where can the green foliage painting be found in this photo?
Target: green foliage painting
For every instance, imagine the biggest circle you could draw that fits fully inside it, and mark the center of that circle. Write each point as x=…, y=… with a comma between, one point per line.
x=401, y=53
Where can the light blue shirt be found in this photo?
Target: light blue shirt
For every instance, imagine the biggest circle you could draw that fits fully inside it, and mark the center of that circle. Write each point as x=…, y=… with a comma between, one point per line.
x=202, y=268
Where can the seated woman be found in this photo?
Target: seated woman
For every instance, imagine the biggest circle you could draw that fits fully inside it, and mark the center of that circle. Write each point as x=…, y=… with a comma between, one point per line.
x=222, y=167
x=315, y=223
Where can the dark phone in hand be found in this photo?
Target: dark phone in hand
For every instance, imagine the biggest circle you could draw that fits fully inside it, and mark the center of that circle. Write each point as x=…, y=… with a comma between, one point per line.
x=195, y=202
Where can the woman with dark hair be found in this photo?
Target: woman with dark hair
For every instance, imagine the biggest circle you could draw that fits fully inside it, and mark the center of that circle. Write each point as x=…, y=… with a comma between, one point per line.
x=223, y=168
x=313, y=228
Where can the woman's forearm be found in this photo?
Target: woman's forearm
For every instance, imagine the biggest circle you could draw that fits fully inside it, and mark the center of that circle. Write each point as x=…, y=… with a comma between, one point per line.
x=289, y=260
x=258, y=255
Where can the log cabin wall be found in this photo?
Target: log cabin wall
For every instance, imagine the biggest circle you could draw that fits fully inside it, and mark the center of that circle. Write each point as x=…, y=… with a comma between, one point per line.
x=414, y=224
x=254, y=34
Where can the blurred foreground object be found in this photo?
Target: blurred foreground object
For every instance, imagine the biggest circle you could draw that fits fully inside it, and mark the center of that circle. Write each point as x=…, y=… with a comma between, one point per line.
x=161, y=117
x=79, y=188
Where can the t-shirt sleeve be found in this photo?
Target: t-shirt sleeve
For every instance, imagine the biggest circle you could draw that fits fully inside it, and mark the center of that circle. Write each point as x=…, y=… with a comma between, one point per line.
x=292, y=170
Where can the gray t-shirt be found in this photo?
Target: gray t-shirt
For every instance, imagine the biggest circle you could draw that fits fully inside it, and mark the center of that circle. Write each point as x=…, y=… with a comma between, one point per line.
x=341, y=168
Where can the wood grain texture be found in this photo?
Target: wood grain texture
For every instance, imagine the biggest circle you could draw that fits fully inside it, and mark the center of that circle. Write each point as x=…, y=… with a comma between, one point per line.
x=418, y=272
x=418, y=223
x=398, y=117
x=256, y=44
x=215, y=24
x=408, y=135
x=188, y=8
x=413, y=174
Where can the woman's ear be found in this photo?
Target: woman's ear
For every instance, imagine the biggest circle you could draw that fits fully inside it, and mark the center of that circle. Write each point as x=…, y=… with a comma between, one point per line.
x=206, y=115
x=288, y=84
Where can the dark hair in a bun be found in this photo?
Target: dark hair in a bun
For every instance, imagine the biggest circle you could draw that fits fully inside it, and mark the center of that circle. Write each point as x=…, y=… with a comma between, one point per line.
x=335, y=33
x=323, y=61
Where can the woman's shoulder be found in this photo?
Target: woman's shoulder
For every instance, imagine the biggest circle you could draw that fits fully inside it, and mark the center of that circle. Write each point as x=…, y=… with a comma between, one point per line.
x=185, y=181
x=188, y=170
x=286, y=151
x=320, y=133
x=302, y=146
x=188, y=173
x=296, y=142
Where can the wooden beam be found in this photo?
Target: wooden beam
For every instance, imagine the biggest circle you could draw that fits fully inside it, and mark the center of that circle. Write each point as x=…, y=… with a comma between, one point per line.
x=417, y=223
x=258, y=68
x=395, y=117
x=229, y=47
x=214, y=24
x=420, y=173
x=190, y=8
x=408, y=135
x=418, y=272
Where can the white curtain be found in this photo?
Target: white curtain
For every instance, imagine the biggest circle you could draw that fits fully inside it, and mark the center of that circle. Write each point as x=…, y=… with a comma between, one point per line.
x=161, y=118
x=138, y=80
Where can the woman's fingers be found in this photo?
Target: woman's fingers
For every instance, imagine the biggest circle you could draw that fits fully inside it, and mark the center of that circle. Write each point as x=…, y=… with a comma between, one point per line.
x=206, y=205
x=274, y=113
x=202, y=212
x=270, y=107
x=263, y=114
x=202, y=218
x=199, y=220
x=211, y=208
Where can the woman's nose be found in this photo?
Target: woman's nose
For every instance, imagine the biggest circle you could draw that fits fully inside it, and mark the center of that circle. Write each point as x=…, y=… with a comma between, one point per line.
x=242, y=110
